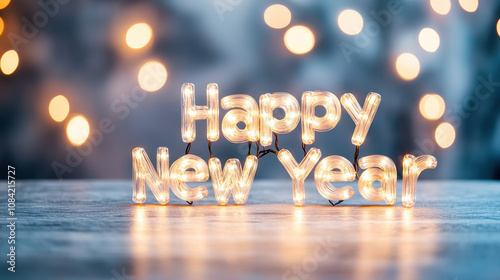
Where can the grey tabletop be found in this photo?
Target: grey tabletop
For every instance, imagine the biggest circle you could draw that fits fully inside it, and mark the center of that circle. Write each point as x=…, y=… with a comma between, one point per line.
x=92, y=230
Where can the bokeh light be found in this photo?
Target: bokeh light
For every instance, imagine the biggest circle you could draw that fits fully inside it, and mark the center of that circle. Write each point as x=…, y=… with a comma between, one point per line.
x=407, y=66
x=78, y=130
x=445, y=135
x=138, y=35
x=4, y=3
x=441, y=7
x=152, y=76
x=429, y=39
x=432, y=106
x=9, y=62
x=59, y=108
x=350, y=22
x=498, y=27
x=277, y=16
x=469, y=5
x=1, y=26
x=299, y=39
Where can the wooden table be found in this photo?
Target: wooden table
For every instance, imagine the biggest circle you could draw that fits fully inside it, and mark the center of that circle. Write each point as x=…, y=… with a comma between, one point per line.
x=92, y=230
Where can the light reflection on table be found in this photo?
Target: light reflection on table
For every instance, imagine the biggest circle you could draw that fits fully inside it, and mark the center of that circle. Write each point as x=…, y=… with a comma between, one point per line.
x=281, y=241
x=90, y=230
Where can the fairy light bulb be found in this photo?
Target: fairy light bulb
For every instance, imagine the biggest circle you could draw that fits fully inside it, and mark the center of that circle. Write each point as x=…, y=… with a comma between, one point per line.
x=412, y=167
x=144, y=173
x=179, y=176
x=232, y=179
x=269, y=124
x=310, y=122
x=334, y=169
x=299, y=172
x=190, y=113
x=382, y=169
x=362, y=117
x=249, y=115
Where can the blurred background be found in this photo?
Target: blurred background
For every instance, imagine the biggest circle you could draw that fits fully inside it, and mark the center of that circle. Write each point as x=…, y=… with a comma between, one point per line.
x=84, y=82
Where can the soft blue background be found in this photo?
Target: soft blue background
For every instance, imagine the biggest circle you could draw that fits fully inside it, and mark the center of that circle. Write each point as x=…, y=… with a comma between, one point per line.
x=76, y=54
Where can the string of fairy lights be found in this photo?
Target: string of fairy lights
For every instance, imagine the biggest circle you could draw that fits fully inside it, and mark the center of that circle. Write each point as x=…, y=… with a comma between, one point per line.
x=298, y=39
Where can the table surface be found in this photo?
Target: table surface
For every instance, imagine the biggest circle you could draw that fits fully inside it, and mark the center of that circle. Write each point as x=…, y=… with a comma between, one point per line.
x=93, y=230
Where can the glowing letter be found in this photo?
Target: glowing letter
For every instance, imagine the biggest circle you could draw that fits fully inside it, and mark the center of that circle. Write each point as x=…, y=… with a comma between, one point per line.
x=299, y=172
x=311, y=123
x=232, y=179
x=324, y=174
x=382, y=169
x=362, y=117
x=269, y=124
x=249, y=116
x=179, y=175
x=412, y=167
x=144, y=172
x=190, y=112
